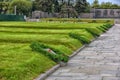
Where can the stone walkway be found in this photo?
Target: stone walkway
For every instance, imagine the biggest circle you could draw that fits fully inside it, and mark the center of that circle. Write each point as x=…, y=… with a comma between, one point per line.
x=98, y=61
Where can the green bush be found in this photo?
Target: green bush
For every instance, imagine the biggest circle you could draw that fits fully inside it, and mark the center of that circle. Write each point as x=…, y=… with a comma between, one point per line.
x=94, y=21
x=81, y=38
x=94, y=31
x=99, y=30
x=108, y=25
x=105, y=27
x=59, y=56
x=107, y=21
x=102, y=28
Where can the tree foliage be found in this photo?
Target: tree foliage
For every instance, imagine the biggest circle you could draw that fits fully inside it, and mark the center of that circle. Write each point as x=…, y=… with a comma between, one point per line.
x=82, y=6
x=68, y=7
x=4, y=6
x=22, y=6
x=56, y=6
x=105, y=5
x=46, y=5
x=109, y=5
x=95, y=4
x=43, y=5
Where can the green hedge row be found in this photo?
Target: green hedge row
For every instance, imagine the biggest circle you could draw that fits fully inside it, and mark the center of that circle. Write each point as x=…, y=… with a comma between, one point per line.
x=84, y=40
x=99, y=30
x=81, y=38
x=59, y=56
x=94, y=31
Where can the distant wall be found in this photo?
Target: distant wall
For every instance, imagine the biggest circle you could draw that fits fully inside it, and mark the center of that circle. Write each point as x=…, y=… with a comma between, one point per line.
x=107, y=13
x=86, y=15
x=95, y=13
x=102, y=13
x=41, y=14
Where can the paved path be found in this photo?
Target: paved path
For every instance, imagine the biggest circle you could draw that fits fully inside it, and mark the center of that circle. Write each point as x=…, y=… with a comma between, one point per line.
x=99, y=61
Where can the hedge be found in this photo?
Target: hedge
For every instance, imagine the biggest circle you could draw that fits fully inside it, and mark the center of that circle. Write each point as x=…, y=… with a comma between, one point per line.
x=83, y=39
x=58, y=57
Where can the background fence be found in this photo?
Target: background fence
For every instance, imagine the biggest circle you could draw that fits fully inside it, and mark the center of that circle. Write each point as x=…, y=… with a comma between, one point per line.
x=4, y=17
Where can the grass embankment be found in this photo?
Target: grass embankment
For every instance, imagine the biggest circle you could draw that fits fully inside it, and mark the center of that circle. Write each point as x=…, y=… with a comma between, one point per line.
x=19, y=62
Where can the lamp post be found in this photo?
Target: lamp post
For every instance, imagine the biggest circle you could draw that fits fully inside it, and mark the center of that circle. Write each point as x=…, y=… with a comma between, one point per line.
x=32, y=7
x=94, y=12
x=15, y=10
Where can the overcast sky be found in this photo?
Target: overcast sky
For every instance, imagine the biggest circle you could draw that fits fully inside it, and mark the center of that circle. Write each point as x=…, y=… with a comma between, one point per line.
x=113, y=1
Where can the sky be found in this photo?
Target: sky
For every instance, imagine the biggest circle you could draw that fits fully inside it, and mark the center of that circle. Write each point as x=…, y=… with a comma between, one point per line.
x=113, y=1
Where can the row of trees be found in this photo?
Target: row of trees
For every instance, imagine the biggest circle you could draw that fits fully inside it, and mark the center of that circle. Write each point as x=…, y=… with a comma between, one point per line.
x=51, y=6
x=104, y=5
x=22, y=6
x=60, y=5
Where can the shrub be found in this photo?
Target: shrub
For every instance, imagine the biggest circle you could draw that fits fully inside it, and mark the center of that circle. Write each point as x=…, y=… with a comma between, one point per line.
x=108, y=25
x=81, y=38
x=107, y=21
x=102, y=28
x=94, y=21
x=94, y=31
x=59, y=56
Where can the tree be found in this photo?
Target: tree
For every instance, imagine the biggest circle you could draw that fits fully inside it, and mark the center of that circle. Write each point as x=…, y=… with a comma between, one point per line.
x=106, y=5
x=95, y=4
x=109, y=5
x=88, y=6
x=67, y=8
x=56, y=6
x=4, y=6
x=82, y=6
x=43, y=5
x=115, y=6
x=47, y=5
x=22, y=6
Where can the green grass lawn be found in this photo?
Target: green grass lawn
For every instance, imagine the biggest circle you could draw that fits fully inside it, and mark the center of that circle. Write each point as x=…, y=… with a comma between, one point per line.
x=19, y=62
x=53, y=25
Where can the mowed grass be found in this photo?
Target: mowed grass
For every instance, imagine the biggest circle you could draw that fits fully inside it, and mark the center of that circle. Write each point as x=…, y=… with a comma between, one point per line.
x=19, y=62
x=49, y=25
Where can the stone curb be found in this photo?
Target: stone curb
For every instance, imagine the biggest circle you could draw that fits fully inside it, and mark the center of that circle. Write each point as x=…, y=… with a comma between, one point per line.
x=76, y=52
x=53, y=69
x=46, y=74
x=85, y=45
